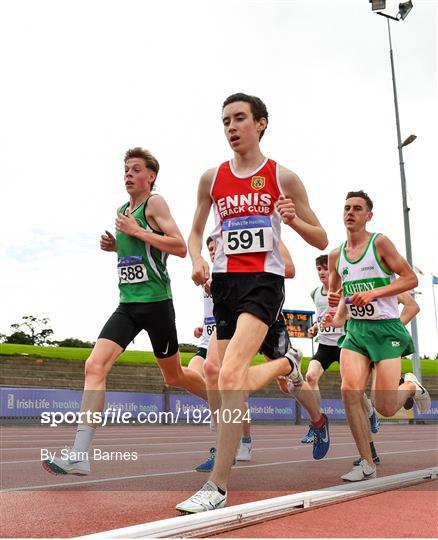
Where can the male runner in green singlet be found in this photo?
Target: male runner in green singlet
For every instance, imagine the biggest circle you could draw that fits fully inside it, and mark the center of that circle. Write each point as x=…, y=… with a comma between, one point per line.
x=146, y=234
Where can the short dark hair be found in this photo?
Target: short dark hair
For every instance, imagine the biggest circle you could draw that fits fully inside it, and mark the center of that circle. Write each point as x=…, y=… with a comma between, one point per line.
x=363, y=196
x=150, y=161
x=322, y=260
x=209, y=239
x=258, y=108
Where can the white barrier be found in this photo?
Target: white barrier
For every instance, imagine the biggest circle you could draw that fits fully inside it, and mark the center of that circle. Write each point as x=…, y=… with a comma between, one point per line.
x=243, y=514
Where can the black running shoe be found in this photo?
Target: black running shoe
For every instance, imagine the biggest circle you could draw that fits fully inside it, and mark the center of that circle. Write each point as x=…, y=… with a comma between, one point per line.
x=409, y=403
x=376, y=460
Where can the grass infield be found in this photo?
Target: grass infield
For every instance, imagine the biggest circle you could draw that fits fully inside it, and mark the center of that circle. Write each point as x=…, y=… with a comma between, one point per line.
x=428, y=367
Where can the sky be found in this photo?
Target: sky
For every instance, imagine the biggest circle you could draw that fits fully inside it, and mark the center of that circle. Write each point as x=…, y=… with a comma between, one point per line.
x=84, y=81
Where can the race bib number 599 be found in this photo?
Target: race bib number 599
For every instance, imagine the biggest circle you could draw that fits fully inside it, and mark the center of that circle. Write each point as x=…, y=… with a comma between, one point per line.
x=131, y=270
x=370, y=311
x=247, y=234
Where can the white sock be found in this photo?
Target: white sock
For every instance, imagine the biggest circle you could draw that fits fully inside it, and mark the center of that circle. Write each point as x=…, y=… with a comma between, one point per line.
x=84, y=436
x=370, y=407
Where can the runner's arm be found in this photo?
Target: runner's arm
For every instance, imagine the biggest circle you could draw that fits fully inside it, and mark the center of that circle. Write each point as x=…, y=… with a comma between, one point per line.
x=336, y=320
x=334, y=292
x=410, y=307
x=201, y=270
x=391, y=259
x=159, y=213
x=289, y=267
x=300, y=217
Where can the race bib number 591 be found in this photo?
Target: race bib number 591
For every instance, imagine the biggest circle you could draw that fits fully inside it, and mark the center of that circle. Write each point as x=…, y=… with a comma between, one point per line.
x=247, y=234
x=131, y=270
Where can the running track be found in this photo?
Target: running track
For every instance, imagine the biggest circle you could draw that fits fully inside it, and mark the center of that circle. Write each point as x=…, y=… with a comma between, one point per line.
x=118, y=494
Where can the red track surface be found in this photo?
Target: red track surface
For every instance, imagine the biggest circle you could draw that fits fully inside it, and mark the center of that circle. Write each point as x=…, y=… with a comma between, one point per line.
x=119, y=494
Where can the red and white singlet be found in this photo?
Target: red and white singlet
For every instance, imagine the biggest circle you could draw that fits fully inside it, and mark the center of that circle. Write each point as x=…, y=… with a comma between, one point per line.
x=247, y=224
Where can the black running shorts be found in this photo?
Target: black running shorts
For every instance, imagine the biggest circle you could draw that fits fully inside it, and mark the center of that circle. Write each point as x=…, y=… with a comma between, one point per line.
x=261, y=294
x=276, y=343
x=327, y=355
x=202, y=352
x=157, y=318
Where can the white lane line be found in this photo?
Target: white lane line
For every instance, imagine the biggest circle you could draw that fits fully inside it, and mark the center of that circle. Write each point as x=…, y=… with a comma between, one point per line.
x=299, y=447
x=267, y=448
x=190, y=432
x=199, y=441
x=191, y=471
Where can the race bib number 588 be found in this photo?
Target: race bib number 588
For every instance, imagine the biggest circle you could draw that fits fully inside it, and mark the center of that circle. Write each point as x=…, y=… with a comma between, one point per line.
x=247, y=234
x=131, y=270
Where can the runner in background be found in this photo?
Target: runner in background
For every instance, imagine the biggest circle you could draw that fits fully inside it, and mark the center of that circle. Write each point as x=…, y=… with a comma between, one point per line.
x=210, y=369
x=367, y=265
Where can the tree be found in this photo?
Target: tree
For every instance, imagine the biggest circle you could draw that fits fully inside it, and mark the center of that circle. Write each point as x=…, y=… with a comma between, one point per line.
x=73, y=342
x=30, y=331
x=187, y=347
x=19, y=337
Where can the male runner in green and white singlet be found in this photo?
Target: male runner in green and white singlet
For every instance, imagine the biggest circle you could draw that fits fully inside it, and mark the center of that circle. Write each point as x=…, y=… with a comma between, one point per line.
x=366, y=265
x=145, y=234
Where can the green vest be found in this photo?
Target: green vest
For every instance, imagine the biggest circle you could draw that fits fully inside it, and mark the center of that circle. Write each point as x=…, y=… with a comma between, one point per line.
x=142, y=269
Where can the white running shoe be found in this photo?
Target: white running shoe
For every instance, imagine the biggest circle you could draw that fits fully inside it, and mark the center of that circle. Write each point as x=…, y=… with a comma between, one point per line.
x=68, y=465
x=421, y=397
x=363, y=471
x=207, y=498
x=244, y=452
x=291, y=384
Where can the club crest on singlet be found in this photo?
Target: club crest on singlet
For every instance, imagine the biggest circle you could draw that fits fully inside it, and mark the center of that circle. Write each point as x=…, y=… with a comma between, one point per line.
x=258, y=182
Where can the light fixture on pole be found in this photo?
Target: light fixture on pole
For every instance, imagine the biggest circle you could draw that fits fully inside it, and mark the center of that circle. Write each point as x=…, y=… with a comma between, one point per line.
x=377, y=4
x=404, y=8
x=409, y=140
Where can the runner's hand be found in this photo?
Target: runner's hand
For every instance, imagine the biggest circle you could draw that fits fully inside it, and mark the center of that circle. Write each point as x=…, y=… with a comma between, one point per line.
x=363, y=298
x=312, y=331
x=333, y=298
x=207, y=287
x=327, y=320
x=201, y=271
x=108, y=242
x=198, y=332
x=127, y=224
x=286, y=209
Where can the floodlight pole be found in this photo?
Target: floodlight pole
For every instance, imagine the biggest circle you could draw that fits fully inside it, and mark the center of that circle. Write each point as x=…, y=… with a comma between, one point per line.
x=406, y=209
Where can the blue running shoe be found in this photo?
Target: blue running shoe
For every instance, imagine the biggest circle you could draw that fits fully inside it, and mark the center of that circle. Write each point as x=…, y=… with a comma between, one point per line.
x=321, y=440
x=374, y=422
x=207, y=466
x=307, y=439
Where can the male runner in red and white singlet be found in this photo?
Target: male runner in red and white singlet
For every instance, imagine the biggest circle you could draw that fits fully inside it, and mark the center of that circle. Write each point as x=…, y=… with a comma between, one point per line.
x=251, y=195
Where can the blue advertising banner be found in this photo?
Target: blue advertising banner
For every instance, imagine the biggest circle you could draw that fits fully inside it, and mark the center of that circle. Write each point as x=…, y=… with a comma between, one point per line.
x=272, y=408
x=333, y=408
x=194, y=409
x=31, y=402
x=16, y=402
x=188, y=408
x=431, y=414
